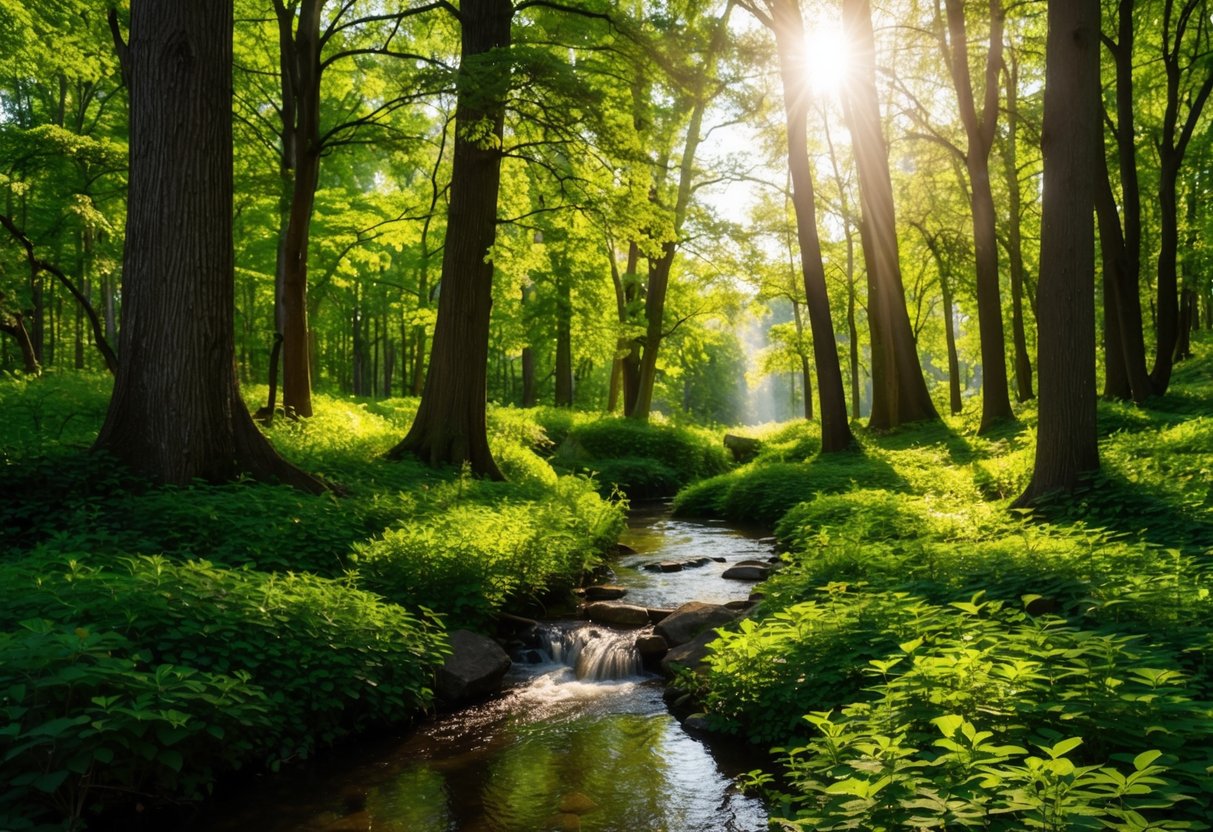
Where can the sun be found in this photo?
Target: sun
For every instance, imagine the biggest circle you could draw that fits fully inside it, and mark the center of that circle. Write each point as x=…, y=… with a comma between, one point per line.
x=827, y=58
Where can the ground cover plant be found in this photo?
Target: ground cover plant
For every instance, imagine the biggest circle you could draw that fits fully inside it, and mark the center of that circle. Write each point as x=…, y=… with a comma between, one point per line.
x=928, y=658
x=154, y=639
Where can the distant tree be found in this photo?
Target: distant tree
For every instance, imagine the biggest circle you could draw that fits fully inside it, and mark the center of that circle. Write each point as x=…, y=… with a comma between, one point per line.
x=979, y=126
x=176, y=413
x=899, y=391
x=1066, y=442
x=784, y=19
x=1189, y=81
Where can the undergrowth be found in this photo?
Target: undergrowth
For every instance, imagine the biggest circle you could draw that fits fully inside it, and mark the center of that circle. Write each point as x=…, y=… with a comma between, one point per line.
x=154, y=639
x=927, y=658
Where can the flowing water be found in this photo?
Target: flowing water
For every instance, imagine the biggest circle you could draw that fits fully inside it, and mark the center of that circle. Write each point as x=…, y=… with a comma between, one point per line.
x=581, y=739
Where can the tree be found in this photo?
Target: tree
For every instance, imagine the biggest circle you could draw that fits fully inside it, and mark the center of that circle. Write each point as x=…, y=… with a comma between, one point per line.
x=1185, y=34
x=176, y=412
x=899, y=392
x=450, y=425
x=1066, y=440
x=979, y=130
x=783, y=17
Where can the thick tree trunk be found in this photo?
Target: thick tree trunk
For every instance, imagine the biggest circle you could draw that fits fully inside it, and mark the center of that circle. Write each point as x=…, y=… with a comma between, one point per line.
x=979, y=129
x=1066, y=441
x=176, y=412
x=450, y=426
x=899, y=391
x=789, y=40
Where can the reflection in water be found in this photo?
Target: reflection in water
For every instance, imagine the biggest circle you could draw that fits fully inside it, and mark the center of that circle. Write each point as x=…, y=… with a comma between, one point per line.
x=581, y=742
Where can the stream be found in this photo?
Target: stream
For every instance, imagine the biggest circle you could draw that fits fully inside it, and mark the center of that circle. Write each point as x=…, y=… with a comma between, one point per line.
x=579, y=740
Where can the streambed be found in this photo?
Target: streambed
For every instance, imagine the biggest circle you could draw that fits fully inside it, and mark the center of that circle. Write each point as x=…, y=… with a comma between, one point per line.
x=580, y=740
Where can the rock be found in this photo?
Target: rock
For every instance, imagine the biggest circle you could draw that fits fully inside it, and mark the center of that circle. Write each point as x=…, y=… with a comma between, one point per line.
x=473, y=670
x=671, y=695
x=688, y=655
x=743, y=448
x=721, y=560
x=691, y=619
x=755, y=597
x=566, y=822
x=651, y=647
x=605, y=592
x=765, y=564
x=670, y=566
x=656, y=616
x=697, y=562
x=747, y=572
x=768, y=541
x=740, y=606
x=624, y=549
x=618, y=615
x=576, y=803
x=696, y=722
x=531, y=657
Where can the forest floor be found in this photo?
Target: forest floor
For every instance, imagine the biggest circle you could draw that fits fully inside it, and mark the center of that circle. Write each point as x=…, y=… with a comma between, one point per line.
x=923, y=654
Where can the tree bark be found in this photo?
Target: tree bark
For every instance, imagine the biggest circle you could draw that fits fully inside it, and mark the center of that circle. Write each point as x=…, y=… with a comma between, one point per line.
x=1172, y=148
x=14, y=325
x=451, y=426
x=564, y=332
x=1010, y=158
x=899, y=391
x=1066, y=440
x=789, y=39
x=300, y=56
x=979, y=130
x=176, y=414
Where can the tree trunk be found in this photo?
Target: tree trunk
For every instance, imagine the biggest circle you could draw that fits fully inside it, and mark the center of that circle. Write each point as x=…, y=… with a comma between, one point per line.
x=949, y=324
x=789, y=40
x=1125, y=376
x=1010, y=158
x=15, y=326
x=564, y=334
x=979, y=129
x=176, y=412
x=899, y=391
x=1066, y=441
x=450, y=426
x=301, y=62
x=1172, y=148
x=804, y=363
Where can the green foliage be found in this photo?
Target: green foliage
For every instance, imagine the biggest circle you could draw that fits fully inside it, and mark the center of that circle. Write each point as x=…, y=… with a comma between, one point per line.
x=473, y=559
x=962, y=665
x=943, y=736
x=641, y=459
x=300, y=661
x=209, y=633
x=86, y=712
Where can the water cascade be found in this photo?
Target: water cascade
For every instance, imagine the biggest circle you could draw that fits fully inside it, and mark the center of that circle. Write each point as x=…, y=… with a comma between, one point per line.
x=595, y=653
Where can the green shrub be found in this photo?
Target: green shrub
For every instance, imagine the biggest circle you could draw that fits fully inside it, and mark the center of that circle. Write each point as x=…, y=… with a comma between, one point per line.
x=330, y=658
x=472, y=559
x=641, y=459
x=87, y=714
x=990, y=719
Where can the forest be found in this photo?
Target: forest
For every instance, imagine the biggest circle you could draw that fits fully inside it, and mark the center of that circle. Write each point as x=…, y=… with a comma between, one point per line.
x=820, y=383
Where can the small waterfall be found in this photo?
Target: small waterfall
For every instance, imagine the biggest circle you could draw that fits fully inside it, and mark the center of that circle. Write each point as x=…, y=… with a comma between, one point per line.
x=595, y=653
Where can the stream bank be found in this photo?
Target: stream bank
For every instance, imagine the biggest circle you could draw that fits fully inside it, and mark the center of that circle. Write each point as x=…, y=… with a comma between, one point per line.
x=581, y=739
